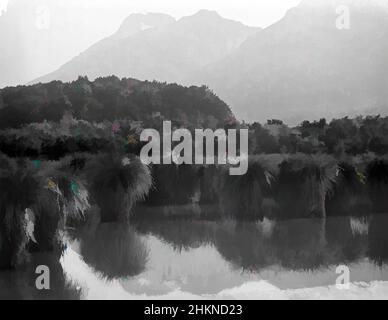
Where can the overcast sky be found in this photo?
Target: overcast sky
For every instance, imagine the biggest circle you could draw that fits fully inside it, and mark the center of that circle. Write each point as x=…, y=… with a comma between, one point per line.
x=251, y=12
x=3, y=4
x=78, y=24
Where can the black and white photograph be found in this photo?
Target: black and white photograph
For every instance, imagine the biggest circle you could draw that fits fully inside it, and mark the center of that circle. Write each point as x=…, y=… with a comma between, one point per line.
x=193, y=150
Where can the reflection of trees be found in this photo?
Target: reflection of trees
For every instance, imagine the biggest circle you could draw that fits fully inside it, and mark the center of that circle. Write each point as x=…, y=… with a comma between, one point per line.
x=114, y=250
x=298, y=244
x=179, y=233
x=344, y=244
x=20, y=283
x=301, y=244
x=60, y=288
x=377, y=177
x=378, y=239
x=244, y=245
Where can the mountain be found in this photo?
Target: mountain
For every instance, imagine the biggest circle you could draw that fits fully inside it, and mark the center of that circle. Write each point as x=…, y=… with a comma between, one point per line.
x=300, y=68
x=170, y=51
x=303, y=67
x=38, y=36
x=139, y=22
x=135, y=23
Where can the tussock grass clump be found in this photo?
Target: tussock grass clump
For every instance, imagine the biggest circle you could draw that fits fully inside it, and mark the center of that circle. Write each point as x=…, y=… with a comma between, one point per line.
x=302, y=185
x=61, y=198
x=173, y=185
x=348, y=192
x=18, y=192
x=282, y=186
x=209, y=184
x=242, y=196
x=35, y=202
x=116, y=183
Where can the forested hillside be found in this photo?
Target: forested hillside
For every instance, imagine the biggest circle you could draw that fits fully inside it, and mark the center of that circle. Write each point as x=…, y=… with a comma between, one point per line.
x=109, y=99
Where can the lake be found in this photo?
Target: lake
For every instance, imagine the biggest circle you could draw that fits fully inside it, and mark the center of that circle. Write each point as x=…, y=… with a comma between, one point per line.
x=193, y=258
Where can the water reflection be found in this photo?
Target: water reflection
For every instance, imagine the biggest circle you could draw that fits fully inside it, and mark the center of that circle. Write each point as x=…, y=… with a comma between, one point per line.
x=113, y=250
x=20, y=283
x=191, y=257
x=299, y=244
x=291, y=254
x=378, y=240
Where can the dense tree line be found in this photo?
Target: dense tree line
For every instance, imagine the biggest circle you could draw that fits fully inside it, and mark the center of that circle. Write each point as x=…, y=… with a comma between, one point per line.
x=111, y=98
x=339, y=137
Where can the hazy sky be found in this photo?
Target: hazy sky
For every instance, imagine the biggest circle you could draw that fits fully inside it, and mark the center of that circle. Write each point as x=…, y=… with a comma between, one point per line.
x=75, y=25
x=3, y=4
x=251, y=12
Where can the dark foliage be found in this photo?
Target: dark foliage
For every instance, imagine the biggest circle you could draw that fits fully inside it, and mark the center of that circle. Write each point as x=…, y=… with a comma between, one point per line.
x=111, y=98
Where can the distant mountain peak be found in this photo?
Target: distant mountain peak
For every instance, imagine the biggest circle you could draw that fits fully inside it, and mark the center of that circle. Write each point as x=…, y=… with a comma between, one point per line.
x=207, y=13
x=157, y=47
x=139, y=22
x=204, y=16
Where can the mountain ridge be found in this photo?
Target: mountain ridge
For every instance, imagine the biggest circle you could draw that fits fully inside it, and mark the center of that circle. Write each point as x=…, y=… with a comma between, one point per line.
x=306, y=68
x=161, y=53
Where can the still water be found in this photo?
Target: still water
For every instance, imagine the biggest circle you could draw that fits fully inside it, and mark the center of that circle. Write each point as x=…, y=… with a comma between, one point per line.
x=179, y=258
